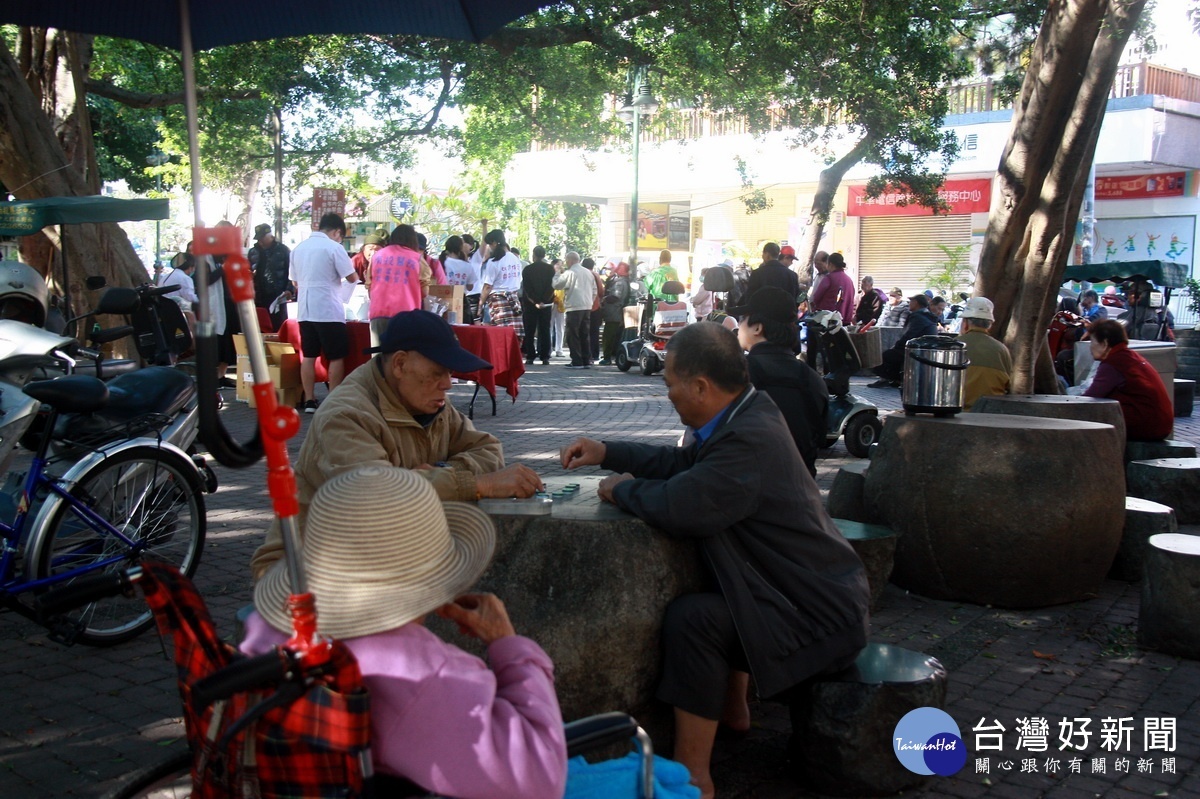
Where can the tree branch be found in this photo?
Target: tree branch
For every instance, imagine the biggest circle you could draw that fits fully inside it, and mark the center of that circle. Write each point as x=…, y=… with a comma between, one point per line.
x=162, y=100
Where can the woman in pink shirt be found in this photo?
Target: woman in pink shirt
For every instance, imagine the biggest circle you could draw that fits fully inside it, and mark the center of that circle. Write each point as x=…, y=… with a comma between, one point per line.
x=399, y=279
x=382, y=552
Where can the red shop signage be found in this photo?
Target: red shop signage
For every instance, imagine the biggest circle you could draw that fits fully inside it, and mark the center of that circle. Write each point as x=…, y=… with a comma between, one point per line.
x=963, y=197
x=1133, y=187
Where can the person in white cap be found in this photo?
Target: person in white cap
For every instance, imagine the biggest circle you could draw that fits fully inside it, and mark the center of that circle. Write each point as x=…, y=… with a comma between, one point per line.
x=990, y=369
x=440, y=718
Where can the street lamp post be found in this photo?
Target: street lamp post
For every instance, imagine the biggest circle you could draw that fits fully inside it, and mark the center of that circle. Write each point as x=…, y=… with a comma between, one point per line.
x=157, y=160
x=640, y=102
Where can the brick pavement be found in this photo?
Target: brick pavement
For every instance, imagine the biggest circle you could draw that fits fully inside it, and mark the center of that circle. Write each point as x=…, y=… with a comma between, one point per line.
x=77, y=720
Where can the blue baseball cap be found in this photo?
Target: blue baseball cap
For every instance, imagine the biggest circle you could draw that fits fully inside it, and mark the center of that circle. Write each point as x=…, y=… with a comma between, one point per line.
x=430, y=335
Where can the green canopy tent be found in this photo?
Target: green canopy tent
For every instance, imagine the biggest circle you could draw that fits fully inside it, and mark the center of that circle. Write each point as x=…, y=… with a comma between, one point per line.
x=26, y=217
x=1163, y=273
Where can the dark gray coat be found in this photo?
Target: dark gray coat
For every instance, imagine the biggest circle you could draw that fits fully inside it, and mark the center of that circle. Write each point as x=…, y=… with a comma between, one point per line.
x=797, y=590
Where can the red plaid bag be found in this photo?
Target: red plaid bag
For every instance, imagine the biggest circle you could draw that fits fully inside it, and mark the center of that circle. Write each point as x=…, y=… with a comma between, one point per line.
x=312, y=743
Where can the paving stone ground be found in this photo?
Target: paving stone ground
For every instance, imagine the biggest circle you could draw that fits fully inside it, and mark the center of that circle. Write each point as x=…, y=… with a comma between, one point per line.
x=76, y=721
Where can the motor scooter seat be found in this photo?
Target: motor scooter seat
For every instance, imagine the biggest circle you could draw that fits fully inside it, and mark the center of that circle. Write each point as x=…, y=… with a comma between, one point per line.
x=151, y=390
x=71, y=394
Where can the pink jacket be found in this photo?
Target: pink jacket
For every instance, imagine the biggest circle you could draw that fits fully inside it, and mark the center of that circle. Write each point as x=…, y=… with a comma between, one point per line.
x=826, y=297
x=395, y=281
x=444, y=720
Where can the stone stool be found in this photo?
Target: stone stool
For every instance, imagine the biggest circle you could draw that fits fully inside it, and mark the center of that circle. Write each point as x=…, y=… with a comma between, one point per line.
x=876, y=546
x=1171, y=481
x=845, y=499
x=1143, y=519
x=842, y=725
x=1152, y=450
x=1185, y=397
x=1054, y=406
x=1169, y=619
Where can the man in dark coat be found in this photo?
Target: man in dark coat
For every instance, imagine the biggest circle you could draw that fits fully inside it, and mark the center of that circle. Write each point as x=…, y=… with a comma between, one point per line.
x=537, y=303
x=920, y=323
x=788, y=596
x=772, y=272
x=767, y=331
x=269, y=260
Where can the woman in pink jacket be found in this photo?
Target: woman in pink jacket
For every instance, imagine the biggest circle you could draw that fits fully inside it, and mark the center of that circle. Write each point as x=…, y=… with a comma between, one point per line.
x=382, y=552
x=399, y=279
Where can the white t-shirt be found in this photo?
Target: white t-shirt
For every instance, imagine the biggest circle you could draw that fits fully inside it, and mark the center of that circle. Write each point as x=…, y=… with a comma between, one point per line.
x=504, y=274
x=462, y=273
x=186, y=296
x=476, y=261
x=319, y=267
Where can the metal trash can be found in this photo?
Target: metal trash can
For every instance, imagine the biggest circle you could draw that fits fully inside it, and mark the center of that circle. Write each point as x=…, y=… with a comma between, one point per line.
x=933, y=375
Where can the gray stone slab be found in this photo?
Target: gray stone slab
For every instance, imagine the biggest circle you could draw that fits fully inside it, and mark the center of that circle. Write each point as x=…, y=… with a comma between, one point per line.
x=1143, y=519
x=1171, y=481
x=1054, y=406
x=1153, y=450
x=1169, y=620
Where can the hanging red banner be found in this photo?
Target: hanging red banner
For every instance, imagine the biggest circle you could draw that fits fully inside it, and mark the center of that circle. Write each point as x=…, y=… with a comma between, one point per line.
x=963, y=197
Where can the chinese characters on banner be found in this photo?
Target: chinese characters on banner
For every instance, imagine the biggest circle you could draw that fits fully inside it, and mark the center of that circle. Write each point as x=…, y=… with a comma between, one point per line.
x=1133, y=187
x=963, y=197
x=327, y=201
x=1052, y=747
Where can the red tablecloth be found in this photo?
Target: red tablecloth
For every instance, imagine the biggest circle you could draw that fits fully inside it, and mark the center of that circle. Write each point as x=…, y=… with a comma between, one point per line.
x=499, y=347
x=360, y=339
x=496, y=345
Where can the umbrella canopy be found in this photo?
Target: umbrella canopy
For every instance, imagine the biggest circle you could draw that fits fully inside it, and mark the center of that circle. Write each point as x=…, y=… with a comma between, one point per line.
x=1163, y=273
x=220, y=22
x=26, y=217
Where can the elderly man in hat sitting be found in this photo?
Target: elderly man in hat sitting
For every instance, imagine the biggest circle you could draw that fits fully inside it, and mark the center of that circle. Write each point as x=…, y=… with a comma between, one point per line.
x=440, y=718
x=393, y=410
x=990, y=363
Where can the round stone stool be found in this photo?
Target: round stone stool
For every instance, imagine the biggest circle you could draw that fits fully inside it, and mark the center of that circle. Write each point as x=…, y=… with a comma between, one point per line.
x=842, y=725
x=1185, y=397
x=1055, y=406
x=1143, y=519
x=1169, y=619
x=1012, y=511
x=876, y=547
x=1171, y=481
x=845, y=500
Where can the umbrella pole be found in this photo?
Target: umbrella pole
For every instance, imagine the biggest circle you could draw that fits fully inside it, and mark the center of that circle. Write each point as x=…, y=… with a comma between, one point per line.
x=204, y=326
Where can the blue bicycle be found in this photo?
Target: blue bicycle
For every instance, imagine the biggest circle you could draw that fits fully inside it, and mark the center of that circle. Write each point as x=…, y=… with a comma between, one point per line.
x=102, y=501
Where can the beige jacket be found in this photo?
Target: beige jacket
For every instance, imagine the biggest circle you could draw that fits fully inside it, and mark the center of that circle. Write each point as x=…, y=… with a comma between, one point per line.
x=363, y=422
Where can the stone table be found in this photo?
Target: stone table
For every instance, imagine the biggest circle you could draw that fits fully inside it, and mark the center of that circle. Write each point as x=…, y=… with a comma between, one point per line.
x=590, y=583
x=996, y=509
x=1055, y=406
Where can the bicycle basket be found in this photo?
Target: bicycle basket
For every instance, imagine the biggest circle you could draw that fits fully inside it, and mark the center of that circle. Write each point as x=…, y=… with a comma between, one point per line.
x=78, y=434
x=313, y=746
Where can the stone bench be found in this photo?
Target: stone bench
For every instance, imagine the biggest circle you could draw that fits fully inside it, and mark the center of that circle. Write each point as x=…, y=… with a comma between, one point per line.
x=1055, y=406
x=1143, y=519
x=842, y=725
x=1185, y=397
x=1169, y=619
x=1174, y=482
x=876, y=546
x=988, y=507
x=845, y=500
x=1152, y=450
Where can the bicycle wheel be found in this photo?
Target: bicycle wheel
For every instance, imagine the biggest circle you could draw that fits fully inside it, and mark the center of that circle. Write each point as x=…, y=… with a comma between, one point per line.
x=153, y=497
x=169, y=779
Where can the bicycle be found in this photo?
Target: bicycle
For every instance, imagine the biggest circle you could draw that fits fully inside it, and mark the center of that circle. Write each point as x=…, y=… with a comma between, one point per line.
x=102, y=505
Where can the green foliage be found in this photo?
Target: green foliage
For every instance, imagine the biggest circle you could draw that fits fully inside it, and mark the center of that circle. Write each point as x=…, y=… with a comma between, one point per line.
x=952, y=275
x=1193, y=295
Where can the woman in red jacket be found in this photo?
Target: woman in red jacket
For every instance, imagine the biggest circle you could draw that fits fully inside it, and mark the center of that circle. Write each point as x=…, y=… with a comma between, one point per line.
x=1129, y=378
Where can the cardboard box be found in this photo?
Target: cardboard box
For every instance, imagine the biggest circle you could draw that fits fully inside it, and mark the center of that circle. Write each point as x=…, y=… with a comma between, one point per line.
x=239, y=344
x=245, y=378
x=452, y=298
x=285, y=364
x=287, y=397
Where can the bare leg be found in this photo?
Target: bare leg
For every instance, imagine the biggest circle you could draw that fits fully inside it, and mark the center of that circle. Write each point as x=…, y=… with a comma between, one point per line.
x=308, y=377
x=337, y=371
x=736, y=715
x=694, y=738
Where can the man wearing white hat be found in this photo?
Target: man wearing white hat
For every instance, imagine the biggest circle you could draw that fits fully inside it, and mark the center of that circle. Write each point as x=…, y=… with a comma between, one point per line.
x=393, y=410
x=990, y=369
x=440, y=718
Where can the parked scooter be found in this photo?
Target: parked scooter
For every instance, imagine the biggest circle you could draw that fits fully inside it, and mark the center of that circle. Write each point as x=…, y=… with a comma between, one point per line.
x=855, y=419
x=658, y=322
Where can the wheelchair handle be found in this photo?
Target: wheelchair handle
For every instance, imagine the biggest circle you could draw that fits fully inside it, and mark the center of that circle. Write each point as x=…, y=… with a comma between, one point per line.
x=87, y=589
x=246, y=674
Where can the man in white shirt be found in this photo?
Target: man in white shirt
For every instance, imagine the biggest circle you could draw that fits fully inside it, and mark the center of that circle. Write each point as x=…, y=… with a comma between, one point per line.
x=320, y=267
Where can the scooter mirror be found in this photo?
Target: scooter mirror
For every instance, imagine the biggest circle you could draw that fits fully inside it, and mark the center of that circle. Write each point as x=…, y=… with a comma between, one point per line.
x=118, y=300
x=95, y=282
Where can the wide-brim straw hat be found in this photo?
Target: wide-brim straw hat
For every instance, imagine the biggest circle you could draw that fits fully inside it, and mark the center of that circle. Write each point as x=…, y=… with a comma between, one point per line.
x=380, y=550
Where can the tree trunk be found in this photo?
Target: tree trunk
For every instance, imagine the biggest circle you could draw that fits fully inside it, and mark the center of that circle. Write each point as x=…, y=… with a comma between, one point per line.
x=827, y=186
x=1043, y=171
x=34, y=160
x=245, y=219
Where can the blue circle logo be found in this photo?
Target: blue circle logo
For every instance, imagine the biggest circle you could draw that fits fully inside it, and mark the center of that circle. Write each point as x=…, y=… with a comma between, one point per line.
x=927, y=741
